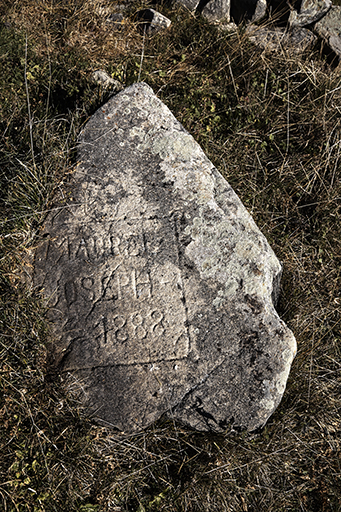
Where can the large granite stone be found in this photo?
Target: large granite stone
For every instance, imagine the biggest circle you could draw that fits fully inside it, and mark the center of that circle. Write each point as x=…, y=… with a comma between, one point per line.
x=160, y=286
x=329, y=28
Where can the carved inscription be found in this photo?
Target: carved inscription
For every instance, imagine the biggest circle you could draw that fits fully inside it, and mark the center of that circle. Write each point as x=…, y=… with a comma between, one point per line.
x=93, y=248
x=116, y=299
x=110, y=285
x=119, y=328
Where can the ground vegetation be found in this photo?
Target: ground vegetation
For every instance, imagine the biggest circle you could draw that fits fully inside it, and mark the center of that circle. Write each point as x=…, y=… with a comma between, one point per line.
x=271, y=123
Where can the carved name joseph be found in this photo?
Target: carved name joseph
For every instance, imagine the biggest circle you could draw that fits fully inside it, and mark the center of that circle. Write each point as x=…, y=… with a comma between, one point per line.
x=159, y=285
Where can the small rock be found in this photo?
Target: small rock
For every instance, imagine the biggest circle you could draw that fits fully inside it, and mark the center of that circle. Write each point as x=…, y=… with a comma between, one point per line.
x=117, y=20
x=275, y=39
x=215, y=10
x=268, y=38
x=228, y=27
x=118, y=17
x=329, y=28
x=212, y=10
x=260, y=11
x=104, y=80
x=299, y=39
x=152, y=21
x=247, y=10
x=191, y=5
x=310, y=12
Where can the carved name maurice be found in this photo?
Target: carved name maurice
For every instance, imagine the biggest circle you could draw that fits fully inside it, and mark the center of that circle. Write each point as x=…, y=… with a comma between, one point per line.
x=159, y=285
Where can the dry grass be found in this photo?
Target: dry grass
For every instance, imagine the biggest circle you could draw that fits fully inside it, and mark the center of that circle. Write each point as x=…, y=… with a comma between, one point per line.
x=271, y=124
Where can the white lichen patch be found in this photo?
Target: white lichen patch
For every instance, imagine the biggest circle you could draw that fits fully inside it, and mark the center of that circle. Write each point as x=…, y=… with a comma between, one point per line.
x=192, y=182
x=233, y=255
x=168, y=144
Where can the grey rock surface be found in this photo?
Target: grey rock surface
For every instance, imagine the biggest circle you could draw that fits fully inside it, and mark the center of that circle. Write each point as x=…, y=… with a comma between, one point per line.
x=160, y=287
x=216, y=10
x=309, y=12
x=212, y=10
x=191, y=5
x=102, y=78
x=152, y=21
x=277, y=39
x=247, y=10
x=329, y=28
x=228, y=27
x=260, y=11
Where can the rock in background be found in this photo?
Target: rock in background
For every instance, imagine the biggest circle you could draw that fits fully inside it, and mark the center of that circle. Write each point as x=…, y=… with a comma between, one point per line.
x=152, y=21
x=329, y=28
x=291, y=25
x=247, y=10
x=160, y=287
x=105, y=81
x=275, y=39
x=309, y=12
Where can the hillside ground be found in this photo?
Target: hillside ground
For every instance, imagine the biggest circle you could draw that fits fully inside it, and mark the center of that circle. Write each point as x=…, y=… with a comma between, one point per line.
x=271, y=123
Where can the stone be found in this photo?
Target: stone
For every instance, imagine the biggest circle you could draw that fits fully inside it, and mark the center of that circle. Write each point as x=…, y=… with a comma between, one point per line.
x=228, y=27
x=117, y=20
x=191, y=5
x=247, y=10
x=299, y=39
x=212, y=10
x=160, y=287
x=152, y=21
x=277, y=39
x=215, y=10
x=107, y=82
x=310, y=11
x=329, y=29
x=260, y=11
